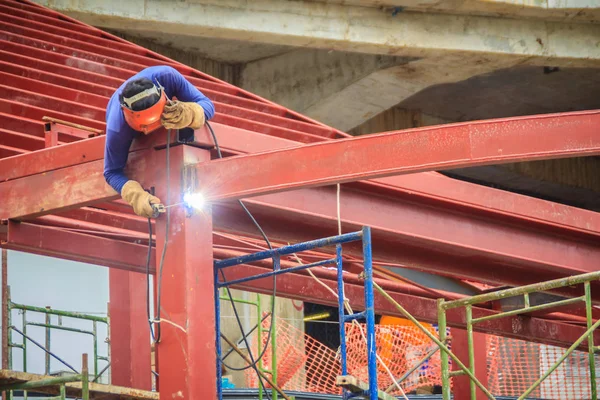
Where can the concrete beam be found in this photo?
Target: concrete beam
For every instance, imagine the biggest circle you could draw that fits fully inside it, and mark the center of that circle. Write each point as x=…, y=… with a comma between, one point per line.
x=550, y=10
x=350, y=28
x=385, y=88
x=344, y=90
x=315, y=82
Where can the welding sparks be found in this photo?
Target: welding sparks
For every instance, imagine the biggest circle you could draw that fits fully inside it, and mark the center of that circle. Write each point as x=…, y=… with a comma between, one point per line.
x=194, y=200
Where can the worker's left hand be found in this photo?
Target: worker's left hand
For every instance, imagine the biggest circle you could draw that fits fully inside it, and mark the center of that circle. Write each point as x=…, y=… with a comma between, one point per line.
x=179, y=114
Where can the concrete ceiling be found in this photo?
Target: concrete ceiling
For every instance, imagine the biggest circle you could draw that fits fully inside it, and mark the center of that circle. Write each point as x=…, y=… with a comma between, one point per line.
x=223, y=50
x=511, y=92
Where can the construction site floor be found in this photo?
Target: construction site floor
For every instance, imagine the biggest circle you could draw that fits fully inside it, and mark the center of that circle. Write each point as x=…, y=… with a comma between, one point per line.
x=97, y=390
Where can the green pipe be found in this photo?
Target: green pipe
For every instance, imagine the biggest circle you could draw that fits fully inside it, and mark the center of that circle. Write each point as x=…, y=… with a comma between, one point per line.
x=259, y=344
x=47, y=355
x=471, y=349
x=8, y=310
x=274, y=348
x=69, y=314
x=242, y=301
x=24, y=322
x=95, y=332
x=456, y=373
x=560, y=360
x=530, y=309
x=445, y=368
x=536, y=287
x=41, y=383
x=592, y=361
x=63, y=392
x=60, y=327
x=436, y=340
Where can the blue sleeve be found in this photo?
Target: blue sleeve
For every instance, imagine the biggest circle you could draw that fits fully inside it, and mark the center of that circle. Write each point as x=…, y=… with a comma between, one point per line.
x=177, y=86
x=115, y=157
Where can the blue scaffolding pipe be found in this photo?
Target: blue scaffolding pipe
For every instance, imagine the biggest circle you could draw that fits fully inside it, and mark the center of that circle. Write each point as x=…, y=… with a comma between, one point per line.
x=278, y=272
x=369, y=314
x=291, y=249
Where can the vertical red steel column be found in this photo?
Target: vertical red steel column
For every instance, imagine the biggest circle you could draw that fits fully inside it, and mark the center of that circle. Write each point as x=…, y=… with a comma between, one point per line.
x=461, y=387
x=129, y=330
x=5, y=319
x=186, y=351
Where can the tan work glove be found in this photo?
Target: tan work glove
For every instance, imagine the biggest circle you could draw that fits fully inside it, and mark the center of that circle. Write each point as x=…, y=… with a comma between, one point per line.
x=141, y=201
x=179, y=114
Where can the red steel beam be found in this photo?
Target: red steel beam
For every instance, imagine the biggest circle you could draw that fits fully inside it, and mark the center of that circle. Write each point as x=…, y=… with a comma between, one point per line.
x=20, y=140
x=50, y=77
x=56, y=242
x=422, y=236
x=517, y=236
x=109, y=219
x=186, y=350
x=409, y=151
x=64, y=244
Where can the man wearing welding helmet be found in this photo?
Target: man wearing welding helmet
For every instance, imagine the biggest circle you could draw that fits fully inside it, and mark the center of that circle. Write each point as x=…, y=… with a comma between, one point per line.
x=140, y=106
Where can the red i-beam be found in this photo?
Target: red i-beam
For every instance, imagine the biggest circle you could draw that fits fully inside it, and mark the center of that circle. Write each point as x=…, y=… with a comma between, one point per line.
x=186, y=347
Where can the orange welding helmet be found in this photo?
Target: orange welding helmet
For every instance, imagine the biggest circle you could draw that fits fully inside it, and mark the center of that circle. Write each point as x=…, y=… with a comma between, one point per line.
x=148, y=119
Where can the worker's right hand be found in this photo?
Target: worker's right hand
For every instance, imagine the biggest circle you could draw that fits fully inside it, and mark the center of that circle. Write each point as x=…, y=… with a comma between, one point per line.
x=141, y=201
x=180, y=114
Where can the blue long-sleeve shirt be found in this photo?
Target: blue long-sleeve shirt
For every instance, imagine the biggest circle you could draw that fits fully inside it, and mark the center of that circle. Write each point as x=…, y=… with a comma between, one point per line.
x=119, y=134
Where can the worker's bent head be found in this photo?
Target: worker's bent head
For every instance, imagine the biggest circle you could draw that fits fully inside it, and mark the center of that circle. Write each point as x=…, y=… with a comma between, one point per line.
x=143, y=102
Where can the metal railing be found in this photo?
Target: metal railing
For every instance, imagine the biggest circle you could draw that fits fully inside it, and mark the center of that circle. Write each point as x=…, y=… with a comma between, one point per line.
x=49, y=326
x=37, y=385
x=525, y=291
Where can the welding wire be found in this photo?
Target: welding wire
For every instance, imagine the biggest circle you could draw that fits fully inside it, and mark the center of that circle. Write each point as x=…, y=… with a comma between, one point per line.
x=262, y=374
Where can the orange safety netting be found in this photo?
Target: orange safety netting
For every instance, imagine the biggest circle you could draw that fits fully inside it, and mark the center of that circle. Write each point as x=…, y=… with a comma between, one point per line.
x=304, y=364
x=400, y=348
x=514, y=365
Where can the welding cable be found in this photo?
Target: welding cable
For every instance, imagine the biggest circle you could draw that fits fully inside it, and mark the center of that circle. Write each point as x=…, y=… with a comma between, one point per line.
x=148, y=257
x=263, y=234
x=156, y=319
x=167, y=228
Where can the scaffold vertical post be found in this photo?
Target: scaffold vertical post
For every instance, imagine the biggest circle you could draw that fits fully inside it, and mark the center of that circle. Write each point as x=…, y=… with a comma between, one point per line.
x=590, y=322
x=471, y=347
x=218, y=350
x=443, y=355
x=370, y=312
x=275, y=395
x=342, y=313
x=5, y=317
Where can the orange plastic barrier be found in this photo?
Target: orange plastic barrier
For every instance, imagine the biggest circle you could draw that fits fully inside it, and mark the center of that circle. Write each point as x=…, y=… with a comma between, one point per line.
x=514, y=365
x=307, y=365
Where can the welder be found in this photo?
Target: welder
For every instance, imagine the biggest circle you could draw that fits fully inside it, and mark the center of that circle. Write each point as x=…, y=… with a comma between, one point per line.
x=140, y=106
